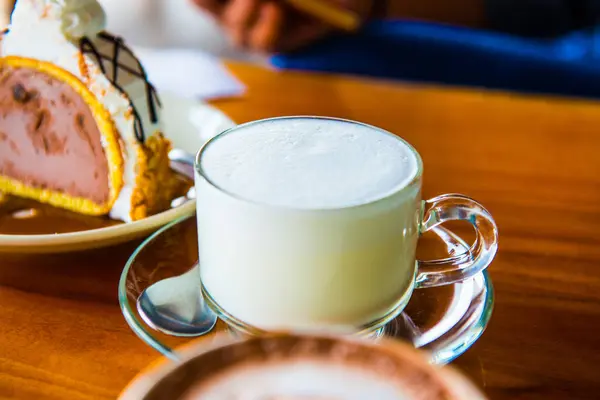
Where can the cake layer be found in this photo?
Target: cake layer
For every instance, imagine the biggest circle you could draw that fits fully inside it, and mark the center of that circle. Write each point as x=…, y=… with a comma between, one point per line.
x=67, y=34
x=48, y=136
x=66, y=40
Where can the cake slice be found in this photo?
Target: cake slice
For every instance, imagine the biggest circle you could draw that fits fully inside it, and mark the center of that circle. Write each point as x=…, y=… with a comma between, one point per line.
x=79, y=121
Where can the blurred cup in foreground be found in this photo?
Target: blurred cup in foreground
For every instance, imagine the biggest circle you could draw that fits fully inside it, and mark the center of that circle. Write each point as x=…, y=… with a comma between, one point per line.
x=300, y=367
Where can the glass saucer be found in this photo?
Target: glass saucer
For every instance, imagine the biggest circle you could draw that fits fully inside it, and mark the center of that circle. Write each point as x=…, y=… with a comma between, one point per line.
x=445, y=321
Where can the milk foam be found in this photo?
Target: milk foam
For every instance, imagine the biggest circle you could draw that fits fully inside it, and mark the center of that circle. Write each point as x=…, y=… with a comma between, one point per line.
x=299, y=380
x=309, y=163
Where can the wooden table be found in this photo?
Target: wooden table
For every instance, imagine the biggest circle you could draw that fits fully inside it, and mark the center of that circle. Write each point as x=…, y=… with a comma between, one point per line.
x=533, y=162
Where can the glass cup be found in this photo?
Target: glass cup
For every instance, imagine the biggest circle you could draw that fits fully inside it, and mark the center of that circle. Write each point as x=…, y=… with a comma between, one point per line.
x=266, y=268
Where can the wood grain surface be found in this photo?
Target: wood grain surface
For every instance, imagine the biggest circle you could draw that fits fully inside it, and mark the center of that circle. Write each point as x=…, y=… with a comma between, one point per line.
x=533, y=162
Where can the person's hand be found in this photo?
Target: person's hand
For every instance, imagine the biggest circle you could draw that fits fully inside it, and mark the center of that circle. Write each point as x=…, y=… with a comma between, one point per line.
x=272, y=25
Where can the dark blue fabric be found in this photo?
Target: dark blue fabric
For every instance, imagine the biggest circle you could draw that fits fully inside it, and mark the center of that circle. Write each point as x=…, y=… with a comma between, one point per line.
x=568, y=65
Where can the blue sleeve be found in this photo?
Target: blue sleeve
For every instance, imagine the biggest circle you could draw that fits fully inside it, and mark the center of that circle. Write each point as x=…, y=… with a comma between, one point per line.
x=417, y=51
x=542, y=18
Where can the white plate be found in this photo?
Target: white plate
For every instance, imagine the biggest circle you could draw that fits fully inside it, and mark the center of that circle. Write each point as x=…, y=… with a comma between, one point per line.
x=188, y=124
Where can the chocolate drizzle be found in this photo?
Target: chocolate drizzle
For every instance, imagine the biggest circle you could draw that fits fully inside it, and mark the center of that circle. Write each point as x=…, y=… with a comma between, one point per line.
x=86, y=46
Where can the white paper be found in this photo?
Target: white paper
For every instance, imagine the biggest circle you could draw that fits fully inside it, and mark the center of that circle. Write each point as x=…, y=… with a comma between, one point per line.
x=189, y=73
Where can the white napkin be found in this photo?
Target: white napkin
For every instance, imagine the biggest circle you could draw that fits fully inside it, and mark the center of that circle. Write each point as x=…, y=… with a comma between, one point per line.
x=189, y=73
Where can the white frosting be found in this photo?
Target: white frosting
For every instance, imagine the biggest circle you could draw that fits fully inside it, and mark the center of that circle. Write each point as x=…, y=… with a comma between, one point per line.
x=49, y=30
x=300, y=380
x=81, y=17
x=309, y=163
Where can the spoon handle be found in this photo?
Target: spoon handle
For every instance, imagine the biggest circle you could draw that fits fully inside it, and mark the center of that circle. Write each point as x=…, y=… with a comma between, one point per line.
x=182, y=162
x=182, y=156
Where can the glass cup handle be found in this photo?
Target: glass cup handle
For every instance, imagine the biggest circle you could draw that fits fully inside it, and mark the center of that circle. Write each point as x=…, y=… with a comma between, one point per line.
x=456, y=268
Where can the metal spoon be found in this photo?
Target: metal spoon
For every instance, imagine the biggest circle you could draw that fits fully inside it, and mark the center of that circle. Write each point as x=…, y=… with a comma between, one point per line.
x=182, y=162
x=175, y=306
